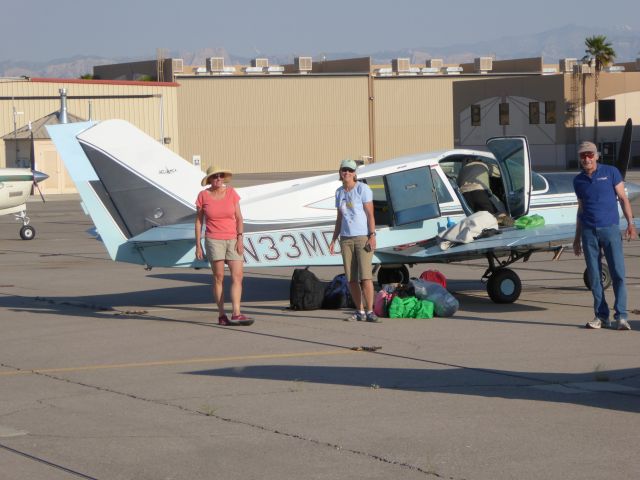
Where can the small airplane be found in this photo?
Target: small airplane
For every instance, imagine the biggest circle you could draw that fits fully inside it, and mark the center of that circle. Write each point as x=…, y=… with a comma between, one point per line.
x=141, y=197
x=15, y=188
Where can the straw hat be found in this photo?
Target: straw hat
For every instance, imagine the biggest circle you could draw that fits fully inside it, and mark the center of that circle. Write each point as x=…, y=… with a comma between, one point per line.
x=212, y=170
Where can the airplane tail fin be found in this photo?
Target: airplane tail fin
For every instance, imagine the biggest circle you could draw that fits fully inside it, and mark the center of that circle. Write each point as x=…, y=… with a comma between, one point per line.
x=624, y=154
x=128, y=182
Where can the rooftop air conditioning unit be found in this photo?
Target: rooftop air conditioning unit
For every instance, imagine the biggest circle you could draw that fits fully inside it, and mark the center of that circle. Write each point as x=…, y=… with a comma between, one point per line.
x=567, y=64
x=260, y=62
x=614, y=68
x=430, y=71
x=483, y=64
x=304, y=64
x=581, y=68
x=178, y=65
x=435, y=63
x=254, y=69
x=215, y=64
x=401, y=65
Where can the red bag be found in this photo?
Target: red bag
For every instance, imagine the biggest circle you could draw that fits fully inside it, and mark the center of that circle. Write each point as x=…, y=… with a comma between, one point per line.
x=434, y=276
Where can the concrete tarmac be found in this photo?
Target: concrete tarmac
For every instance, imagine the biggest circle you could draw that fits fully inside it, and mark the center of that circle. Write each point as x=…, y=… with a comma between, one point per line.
x=108, y=371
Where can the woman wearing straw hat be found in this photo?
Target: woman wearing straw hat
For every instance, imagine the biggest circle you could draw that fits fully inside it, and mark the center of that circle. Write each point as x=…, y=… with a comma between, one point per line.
x=219, y=205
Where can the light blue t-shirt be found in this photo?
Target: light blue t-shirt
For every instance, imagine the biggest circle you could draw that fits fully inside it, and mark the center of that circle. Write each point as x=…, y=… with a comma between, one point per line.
x=351, y=204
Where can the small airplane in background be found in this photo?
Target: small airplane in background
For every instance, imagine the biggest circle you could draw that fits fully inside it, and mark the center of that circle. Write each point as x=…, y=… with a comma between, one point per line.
x=15, y=187
x=141, y=197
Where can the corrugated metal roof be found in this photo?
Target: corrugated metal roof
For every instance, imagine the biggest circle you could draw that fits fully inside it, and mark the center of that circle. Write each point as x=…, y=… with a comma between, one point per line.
x=37, y=127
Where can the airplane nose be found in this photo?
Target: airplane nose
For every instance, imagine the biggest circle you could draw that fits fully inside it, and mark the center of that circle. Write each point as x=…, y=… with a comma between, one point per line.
x=633, y=190
x=39, y=176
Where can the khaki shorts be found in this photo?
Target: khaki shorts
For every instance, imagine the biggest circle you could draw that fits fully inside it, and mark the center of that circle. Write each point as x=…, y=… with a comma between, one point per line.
x=221, y=250
x=357, y=261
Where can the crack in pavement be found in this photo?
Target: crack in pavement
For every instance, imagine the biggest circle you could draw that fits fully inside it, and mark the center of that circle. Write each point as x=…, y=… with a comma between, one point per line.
x=235, y=421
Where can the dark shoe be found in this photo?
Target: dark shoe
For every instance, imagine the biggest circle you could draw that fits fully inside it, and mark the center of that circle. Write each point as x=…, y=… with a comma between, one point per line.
x=242, y=320
x=373, y=318
x=224, y=320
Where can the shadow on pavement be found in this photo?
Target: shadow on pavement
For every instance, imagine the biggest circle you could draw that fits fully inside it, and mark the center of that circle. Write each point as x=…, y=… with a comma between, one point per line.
x=580, y=389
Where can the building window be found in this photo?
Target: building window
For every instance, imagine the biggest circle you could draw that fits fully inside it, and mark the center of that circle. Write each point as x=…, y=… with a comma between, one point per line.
x=475, y=115
x=606, y=110
x=504, y=114
x=534, y=113
x=550, y=111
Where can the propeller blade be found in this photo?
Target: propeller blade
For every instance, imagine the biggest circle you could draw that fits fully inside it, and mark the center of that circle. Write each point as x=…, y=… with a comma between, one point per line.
x=35, y=184
x=624, y=154
x=37, y=178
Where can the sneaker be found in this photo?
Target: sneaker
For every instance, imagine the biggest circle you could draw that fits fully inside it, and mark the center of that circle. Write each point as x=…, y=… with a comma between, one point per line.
x=622, y=324
x=356, y=317
x=242, y=320
x=372, y=317
x=596, y=323
x=224, y=320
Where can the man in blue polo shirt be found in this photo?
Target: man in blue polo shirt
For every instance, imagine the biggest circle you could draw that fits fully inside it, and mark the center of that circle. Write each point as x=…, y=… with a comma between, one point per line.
x=599, y=188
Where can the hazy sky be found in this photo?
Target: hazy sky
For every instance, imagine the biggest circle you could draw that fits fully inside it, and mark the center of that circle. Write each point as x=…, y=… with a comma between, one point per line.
x=42, y=30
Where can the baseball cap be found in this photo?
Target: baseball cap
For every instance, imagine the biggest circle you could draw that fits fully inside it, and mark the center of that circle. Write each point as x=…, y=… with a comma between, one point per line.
x=348, y=164
x=587, y=147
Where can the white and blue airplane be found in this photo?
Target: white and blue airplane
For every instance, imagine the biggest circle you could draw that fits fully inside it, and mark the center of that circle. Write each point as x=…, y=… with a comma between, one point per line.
x=141, y=197
x=15, y=189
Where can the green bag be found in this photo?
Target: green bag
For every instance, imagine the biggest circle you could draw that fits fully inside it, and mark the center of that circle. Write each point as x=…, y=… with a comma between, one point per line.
x=532, y=221
x=410, y=307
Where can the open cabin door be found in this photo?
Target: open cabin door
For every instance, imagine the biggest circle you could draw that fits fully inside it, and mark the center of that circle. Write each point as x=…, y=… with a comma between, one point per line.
x=512, y=154
x=411, y=196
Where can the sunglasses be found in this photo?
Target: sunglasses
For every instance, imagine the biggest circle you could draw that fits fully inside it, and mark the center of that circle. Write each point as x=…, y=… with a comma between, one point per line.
x=345, y=169
x=216, y=176
x=587, y=155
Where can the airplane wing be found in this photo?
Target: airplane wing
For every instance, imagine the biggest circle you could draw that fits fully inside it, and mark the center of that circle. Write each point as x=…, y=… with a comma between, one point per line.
x=509, y=241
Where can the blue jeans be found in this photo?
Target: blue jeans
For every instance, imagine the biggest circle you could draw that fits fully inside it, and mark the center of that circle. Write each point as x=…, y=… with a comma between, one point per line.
x=595, y=242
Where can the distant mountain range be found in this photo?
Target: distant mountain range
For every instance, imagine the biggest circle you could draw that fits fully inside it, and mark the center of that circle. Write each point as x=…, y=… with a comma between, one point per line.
x=552, y=45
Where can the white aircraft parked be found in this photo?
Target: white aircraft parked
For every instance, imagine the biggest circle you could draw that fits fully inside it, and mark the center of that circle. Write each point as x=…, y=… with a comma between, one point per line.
x=15, y=188
x=141, y=197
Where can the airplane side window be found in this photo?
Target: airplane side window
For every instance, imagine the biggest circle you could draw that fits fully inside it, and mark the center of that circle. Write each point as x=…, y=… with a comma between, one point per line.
x=539, y=184
x=441, y=189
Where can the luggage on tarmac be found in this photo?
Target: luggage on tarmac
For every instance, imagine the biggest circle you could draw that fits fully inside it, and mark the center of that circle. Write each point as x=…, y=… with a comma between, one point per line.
x=337, y=294
x=306, y=291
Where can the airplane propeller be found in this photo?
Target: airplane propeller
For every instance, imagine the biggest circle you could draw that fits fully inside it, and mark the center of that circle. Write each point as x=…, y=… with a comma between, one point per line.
x=37, y=176
x=624, y=154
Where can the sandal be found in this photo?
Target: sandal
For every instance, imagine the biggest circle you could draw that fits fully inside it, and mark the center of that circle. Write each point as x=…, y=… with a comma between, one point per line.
x=224, y=320
x=242, y=320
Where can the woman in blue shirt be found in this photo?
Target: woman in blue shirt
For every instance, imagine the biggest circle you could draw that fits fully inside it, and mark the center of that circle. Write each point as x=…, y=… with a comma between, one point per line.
x=356, y=227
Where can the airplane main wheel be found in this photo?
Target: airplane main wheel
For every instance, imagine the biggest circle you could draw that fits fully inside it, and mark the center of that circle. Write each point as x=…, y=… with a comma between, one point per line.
x=393, y=275
x=606, y=278
x=504, y=286
x=27, y=232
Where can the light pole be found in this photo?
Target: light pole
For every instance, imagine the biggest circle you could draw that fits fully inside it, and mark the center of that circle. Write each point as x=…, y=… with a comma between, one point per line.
x=15, y=131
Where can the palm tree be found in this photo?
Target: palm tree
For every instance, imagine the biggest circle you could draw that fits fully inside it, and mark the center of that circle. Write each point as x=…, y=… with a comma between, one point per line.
x=601, y=51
